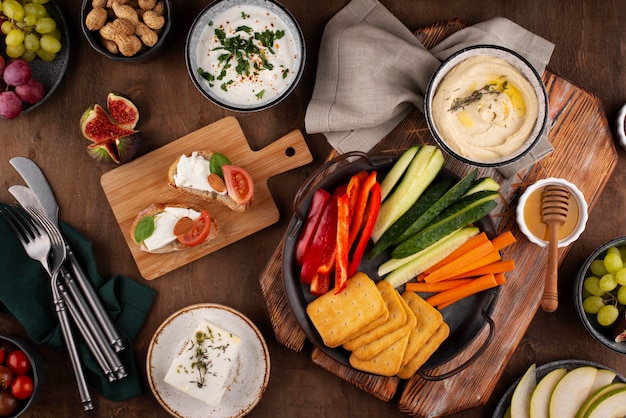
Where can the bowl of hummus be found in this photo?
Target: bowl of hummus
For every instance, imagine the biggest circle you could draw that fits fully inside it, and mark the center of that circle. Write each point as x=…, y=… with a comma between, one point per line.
x=245, y=55
x=486, y=106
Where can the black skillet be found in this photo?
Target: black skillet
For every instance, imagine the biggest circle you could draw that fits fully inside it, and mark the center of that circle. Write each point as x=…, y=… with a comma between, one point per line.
x=466, y=318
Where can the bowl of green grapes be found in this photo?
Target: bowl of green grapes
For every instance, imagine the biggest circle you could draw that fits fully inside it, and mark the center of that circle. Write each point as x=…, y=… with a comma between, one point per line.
x=600, y=294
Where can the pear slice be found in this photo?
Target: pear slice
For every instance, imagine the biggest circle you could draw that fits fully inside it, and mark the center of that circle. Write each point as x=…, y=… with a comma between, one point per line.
x=520, y=402
x=603, y=378
x=597, y=395
x=540, y=399
x=609, y=405
x=571, y=391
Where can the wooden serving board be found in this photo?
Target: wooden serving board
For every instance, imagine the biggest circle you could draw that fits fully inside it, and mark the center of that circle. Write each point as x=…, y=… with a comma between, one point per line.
x=136, y=185
x=578, y=131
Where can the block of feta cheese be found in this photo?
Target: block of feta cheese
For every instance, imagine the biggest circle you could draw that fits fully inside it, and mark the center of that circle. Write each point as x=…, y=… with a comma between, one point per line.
x=203, y=366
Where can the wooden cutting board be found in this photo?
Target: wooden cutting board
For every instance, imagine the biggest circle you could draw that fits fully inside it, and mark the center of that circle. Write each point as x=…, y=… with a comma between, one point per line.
x=136, y=185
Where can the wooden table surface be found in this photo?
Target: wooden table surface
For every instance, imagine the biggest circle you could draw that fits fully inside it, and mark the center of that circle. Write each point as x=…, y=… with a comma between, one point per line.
x=590, y=52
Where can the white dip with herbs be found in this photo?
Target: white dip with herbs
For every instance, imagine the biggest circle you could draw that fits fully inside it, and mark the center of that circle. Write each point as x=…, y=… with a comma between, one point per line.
x=247, y=55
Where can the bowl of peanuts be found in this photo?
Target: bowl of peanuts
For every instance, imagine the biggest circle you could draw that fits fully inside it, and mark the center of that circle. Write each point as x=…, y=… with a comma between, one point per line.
x=126, y=30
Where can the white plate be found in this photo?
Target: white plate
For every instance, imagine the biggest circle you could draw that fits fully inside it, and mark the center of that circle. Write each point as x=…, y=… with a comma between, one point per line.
x=245, y=385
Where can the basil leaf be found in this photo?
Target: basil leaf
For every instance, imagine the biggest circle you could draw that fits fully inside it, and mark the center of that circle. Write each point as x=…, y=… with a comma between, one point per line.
x=217, y=161
x=144, y=228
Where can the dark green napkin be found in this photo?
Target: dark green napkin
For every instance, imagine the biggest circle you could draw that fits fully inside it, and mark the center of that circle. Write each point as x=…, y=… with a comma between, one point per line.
x=25, y=292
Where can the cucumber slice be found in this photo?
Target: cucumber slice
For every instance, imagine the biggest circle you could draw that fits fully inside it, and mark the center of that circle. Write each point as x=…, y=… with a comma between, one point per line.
x=395, y=174
x=419, y=262
x=445, y=223
x=451, y=196
x=485, y=183
x=422, y=170
x=431, y=195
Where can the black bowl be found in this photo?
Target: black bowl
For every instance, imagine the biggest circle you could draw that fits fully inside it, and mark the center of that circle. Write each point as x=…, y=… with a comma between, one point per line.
x=146, y=53
x=604, y=335
x=37, y=372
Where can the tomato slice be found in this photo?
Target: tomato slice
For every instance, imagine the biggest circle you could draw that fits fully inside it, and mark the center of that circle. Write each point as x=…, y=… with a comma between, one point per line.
x=198, y=232
x=238, y=184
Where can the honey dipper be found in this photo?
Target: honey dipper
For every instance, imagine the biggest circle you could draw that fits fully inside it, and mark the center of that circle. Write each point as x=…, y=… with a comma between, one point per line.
x=554, y=207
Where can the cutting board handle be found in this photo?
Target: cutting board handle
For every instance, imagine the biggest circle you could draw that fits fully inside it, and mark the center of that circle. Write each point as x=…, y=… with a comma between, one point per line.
x=286, y=153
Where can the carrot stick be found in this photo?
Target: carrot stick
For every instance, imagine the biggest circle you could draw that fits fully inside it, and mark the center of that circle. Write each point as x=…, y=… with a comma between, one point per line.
x=503, y=240
x=455, y=294
x=464, y=248
x=500, y=266
x=500, y=278
x=434, y=287
x=474, y=258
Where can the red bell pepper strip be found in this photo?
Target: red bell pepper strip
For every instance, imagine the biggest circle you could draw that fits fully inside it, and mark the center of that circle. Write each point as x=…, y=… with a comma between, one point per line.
x=354, y=188
x=318, y=203
x=323, y=243
x=320, y=284
x=341, y=259
x=374, y=207
x=360, y=206
x=327, y=263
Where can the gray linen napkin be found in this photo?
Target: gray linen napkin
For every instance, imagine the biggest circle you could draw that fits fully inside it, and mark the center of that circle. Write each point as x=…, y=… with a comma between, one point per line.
x=372, y=72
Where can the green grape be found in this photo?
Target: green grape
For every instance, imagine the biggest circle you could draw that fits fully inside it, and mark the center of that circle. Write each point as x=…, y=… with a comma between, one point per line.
x=15, y=51
x=592, y=285
x=592, y=304
x=613, y=261
x=56, y=34
x=45, y=55
x=6, y=27
x=621, y=295
x=31, y=42
x=597, y=268
x=40, y=1
x=607, y=315
x=13, y=10
x=49, y=44
x=14, y=38
x=30, y=20
x=622, y=252
x=607, y=282
x=35, y=9
x=29, y=56
x=45, y=25
x=620, y=277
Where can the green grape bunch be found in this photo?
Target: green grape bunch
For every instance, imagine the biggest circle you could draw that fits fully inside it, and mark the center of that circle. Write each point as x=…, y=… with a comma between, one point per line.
x=29, y=31
x=604, y=288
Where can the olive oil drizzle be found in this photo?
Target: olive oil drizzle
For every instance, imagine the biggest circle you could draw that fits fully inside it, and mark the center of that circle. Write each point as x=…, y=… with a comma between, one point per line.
x=476, y=95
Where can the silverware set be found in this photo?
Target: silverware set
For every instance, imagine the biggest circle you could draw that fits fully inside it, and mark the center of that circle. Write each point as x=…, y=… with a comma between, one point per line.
x=76, y=301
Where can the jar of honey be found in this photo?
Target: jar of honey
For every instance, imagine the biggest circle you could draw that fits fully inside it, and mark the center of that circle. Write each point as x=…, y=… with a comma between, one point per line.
x=529, y=217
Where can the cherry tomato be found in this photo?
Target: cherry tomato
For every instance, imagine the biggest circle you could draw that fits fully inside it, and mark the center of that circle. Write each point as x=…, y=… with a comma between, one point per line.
x=238, y=184
x=198, y=232
x=18, y=362
x=8, y=404
x=22, y=386
x=6, y=377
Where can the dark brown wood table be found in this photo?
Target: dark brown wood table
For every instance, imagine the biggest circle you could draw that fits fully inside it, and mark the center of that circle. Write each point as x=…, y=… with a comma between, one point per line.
x=589, y=53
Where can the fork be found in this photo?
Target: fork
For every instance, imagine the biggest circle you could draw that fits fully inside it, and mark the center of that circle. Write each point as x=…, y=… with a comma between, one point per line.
x=38, y=246
x=80, y=310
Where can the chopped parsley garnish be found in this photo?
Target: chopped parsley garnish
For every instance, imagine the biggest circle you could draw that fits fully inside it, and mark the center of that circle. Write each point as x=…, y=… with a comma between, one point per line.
x=260, y=94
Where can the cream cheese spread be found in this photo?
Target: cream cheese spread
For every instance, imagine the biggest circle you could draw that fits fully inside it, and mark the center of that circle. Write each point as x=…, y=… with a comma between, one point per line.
x=193, y=171
x=164, y=223
x=203, y=367
x=247, y=55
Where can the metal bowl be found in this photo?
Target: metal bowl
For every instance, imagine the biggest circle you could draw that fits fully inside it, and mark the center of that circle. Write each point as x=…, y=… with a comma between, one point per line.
x=516, y=61
x=145, y=54
x=218, y=90
x=604, y=335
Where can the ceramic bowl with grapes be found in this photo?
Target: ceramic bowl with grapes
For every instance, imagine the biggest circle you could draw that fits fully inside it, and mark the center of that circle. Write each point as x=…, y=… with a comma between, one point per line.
x=152, y=23
x=600, y=294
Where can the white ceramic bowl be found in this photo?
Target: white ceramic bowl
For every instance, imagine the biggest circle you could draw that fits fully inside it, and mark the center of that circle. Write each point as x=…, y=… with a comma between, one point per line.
x=516, y=61
x=582, y=211
x=620, y=126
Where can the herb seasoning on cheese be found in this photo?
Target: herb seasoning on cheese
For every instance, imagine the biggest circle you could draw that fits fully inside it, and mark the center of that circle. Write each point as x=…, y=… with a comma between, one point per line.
x=247, y=55
x=202, y=368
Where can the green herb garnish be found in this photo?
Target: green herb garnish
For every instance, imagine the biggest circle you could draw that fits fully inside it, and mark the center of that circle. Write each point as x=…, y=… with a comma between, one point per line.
x=260, y=94
x=144, y=229
x=476, y=95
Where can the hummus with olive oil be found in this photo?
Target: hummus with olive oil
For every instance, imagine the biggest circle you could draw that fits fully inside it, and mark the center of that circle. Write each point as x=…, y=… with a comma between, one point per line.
x=485, y=109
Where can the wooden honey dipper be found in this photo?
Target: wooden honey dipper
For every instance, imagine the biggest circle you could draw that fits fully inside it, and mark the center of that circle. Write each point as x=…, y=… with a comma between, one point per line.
x=554, y=208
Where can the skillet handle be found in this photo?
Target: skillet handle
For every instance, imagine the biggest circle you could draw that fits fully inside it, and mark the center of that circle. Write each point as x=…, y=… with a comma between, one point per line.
x=492, y=327
x=311, y=180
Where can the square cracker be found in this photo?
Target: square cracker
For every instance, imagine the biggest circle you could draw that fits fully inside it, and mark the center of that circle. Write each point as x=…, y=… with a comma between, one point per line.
x=385, y=363
x=428, y=320
x=396, y=318
x=338, y=316
x=424, y=353
x=368, y=351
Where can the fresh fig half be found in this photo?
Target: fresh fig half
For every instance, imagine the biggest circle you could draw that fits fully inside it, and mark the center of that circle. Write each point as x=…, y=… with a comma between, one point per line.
x=119, y=150
x=122, y=110
x=97, y=126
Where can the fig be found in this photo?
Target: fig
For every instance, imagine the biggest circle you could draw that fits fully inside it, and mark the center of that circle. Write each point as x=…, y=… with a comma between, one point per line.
x=120, y=150
x=619, y=328
x=97, y=126
x=122, y=110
